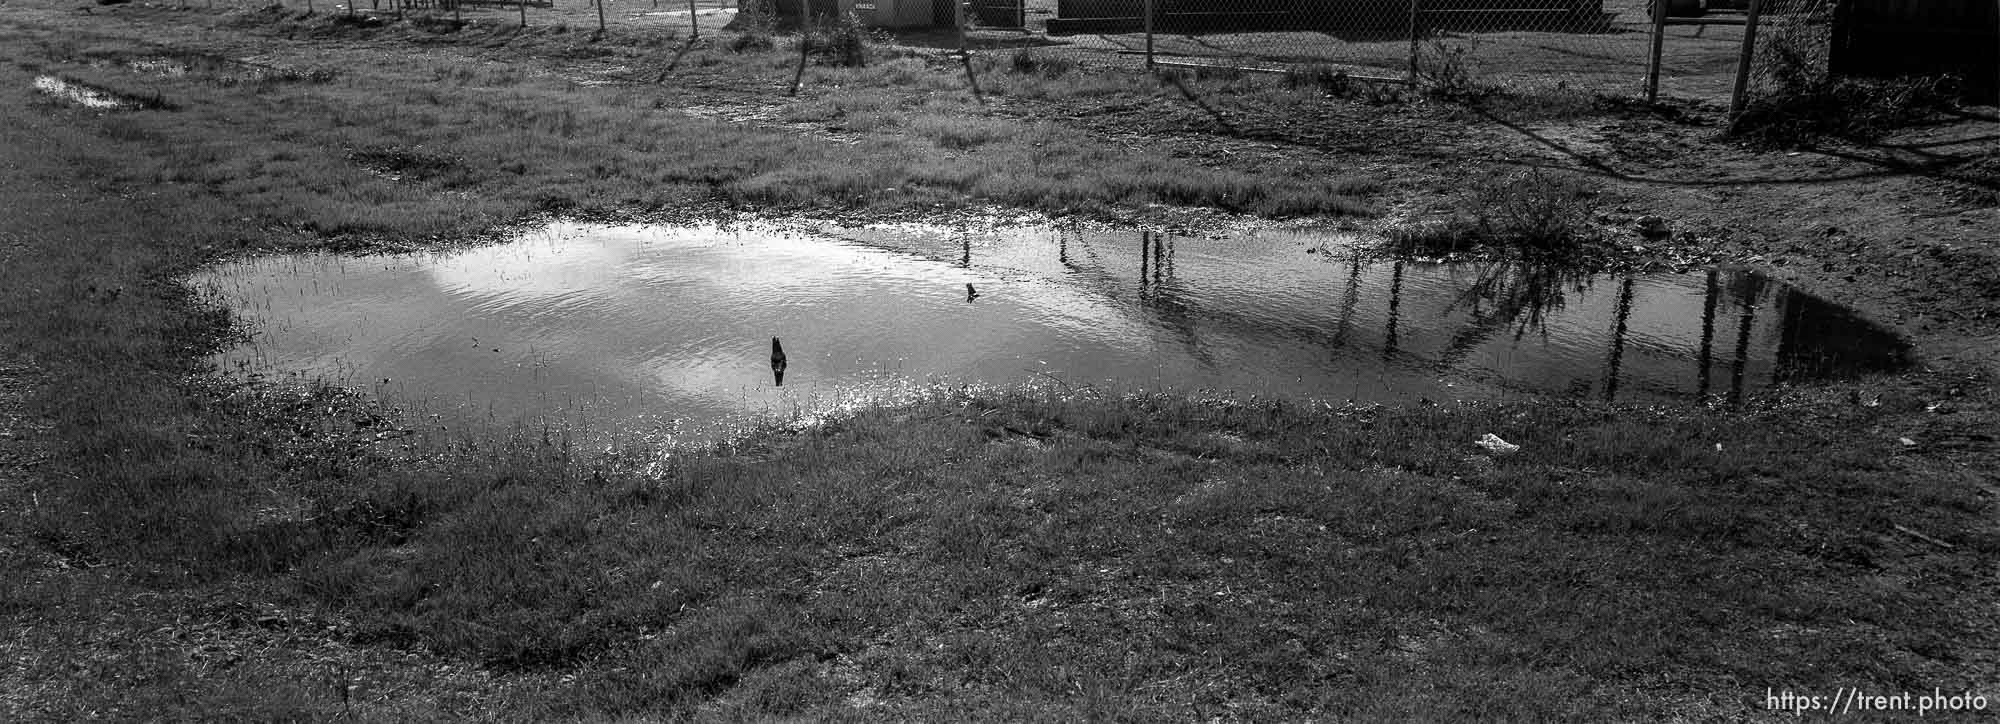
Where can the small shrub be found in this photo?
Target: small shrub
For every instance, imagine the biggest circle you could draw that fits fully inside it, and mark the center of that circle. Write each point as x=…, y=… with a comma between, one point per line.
x=755, y=22
x=1533, y=215
x=1806, y=101
x=751, y=42
x=1046, y=65
x=1325, y=78
x=1450, y=71
x=1337, y=83
x=1853, y=108
x=844, y=43
x=1541, y=214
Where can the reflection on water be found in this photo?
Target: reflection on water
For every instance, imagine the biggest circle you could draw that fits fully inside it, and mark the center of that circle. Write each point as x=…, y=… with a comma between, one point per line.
x=626, y=325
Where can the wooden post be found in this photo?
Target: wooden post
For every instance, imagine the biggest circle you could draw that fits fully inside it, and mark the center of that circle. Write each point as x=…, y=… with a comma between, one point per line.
x=1659, y=44
x=1744, y=60
x=1147, y=11
x=805, y=43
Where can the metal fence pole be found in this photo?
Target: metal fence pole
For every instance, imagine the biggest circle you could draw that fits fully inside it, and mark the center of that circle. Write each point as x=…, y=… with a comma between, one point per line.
x=1147, y=11
x=1415, y=34
x=600, y=17
x=965, y=55
x=1743, y=61
x=805, y=46
x=1659, y=44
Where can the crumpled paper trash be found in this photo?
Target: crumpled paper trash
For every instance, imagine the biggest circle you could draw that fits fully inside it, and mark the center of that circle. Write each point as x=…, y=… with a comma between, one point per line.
x=1493, y=444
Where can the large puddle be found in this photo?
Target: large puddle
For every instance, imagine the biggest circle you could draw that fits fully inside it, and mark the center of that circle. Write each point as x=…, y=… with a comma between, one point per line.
x=622, y=327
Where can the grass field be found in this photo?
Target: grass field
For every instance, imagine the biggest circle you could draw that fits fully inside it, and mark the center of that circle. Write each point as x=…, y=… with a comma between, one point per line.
x=183, y=546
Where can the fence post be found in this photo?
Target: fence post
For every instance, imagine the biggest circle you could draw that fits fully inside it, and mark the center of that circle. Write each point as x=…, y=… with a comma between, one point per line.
x=805, y=41
x=1743, y=61
x=1147, y=11
x=964, y=54
x=524, y=13
x=600, y=18
x=1659, y=44
x=694, y=21
x=1414, y=35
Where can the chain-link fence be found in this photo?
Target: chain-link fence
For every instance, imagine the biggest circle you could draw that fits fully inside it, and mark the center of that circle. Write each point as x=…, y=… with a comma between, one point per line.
x=1792, y=46
x=1718, y=51
x=1594, y=45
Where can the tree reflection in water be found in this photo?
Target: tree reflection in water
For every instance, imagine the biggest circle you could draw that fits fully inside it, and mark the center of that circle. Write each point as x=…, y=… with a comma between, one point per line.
x=1514, y=296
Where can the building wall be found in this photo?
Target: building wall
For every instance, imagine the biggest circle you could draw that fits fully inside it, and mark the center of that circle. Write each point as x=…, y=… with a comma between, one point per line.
x=1889, y=38
x=1231, y=15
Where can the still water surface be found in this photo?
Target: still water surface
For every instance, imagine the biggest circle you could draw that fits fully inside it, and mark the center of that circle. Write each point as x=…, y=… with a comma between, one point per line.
x=637, y=326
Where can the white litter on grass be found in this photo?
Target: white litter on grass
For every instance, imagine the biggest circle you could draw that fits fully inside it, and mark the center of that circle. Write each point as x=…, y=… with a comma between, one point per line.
x=1493, y=444
x=79, y=94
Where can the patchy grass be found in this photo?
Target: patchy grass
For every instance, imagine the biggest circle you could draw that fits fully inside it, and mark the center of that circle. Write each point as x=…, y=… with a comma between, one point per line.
x=520, y=142
x=195, y=550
